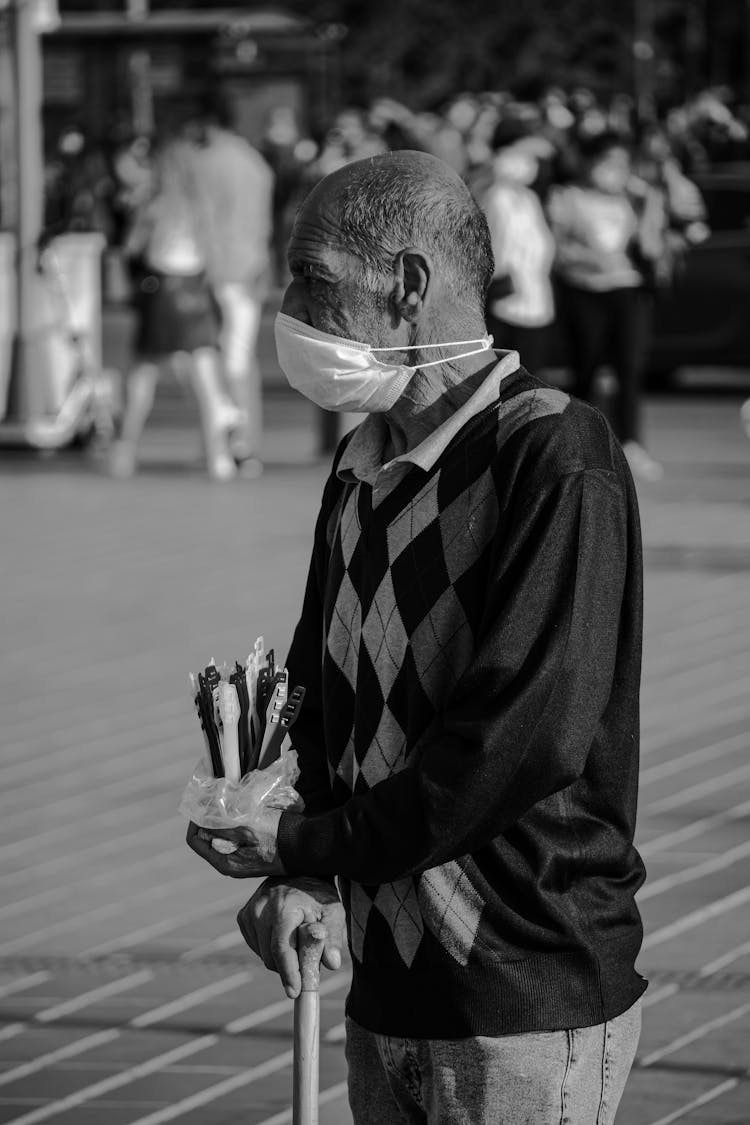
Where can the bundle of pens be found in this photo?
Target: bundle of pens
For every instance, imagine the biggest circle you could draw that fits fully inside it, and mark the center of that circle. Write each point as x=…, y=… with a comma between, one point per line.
x=245, y=713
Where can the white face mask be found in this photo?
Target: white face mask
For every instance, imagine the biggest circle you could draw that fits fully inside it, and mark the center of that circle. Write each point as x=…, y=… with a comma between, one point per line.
x=339, y=374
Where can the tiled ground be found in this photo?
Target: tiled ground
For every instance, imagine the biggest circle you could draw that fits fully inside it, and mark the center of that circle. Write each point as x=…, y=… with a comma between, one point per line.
x=124, y=986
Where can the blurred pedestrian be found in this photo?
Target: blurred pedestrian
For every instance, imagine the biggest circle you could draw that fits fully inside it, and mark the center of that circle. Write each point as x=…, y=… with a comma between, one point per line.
x=520, y=304
x=470, y=638
x=178, y=320
x=607, y=226
x=235, y=193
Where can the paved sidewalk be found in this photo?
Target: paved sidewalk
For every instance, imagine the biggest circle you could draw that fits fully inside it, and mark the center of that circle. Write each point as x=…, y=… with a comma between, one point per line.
x=126, y=991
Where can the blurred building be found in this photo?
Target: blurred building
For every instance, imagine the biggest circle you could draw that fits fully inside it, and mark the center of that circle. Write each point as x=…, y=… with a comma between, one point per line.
x=145, y=63
x=113, y=69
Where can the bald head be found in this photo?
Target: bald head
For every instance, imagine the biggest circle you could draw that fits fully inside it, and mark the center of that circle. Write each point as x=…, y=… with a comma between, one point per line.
x=386, y=203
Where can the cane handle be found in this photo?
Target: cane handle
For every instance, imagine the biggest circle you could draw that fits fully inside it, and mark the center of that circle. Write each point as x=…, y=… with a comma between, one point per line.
x=311, y=938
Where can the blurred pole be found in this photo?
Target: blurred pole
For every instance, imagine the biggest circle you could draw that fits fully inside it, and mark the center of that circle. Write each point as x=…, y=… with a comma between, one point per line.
x=30, y=175
x=643, y=58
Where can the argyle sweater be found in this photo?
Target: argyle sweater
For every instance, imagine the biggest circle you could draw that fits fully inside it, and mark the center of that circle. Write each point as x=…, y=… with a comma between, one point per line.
x=469, y=739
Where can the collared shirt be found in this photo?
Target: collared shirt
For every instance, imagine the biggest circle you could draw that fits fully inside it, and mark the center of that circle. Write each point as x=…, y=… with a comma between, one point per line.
x=362, y=460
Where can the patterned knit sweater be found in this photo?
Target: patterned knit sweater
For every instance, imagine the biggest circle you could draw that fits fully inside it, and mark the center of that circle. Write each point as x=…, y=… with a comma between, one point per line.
x=469, y=740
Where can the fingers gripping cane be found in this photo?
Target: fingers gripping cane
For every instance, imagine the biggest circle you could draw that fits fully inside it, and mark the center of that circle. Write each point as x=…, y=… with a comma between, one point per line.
x=310, y=939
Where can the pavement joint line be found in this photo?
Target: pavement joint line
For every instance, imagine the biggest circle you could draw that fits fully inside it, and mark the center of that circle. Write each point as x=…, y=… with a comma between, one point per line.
x=158, y=928
x=71, y=756
x=699, y=701
x=726, y=959
x=73, y=858
x=694, y=1035
x=52, y=894
x=668, y=692
x=701, y=789
x=665, y=636
x=149, y=1066
x=678, y=640
x=99, y=727
x=696, y=918
x=660, y=691
x=697, y=871
x=693, y=829
x=93, y=995
x=653, y=663
x=109, y=909
x=661, y=740
x=211, y=1093
x=106, y=818
x=283, y=1118
x=208, y=991
x=71, y=805
x=114, y=1082
x=666, y=883
x=21, y=983
x=697, y=1103
x=714, y=750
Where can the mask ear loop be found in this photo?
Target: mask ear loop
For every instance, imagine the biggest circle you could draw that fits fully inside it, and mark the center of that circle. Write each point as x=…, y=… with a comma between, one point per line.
x=486, y=343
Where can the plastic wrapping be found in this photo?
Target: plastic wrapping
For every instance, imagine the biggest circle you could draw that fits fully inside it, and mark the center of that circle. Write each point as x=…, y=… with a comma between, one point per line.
x=218, y=802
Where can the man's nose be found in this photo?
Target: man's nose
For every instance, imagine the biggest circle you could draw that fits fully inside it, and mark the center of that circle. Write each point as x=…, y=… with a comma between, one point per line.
x=294, y=303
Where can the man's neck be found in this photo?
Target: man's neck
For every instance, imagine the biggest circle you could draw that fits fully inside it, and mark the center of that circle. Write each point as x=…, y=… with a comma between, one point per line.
x=433, y=395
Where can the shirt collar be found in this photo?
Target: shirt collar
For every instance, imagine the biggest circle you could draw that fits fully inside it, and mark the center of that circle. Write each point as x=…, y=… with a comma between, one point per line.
x=362, y=460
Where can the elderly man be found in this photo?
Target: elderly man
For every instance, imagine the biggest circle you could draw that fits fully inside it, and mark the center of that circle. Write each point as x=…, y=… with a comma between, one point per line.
x=470, y=638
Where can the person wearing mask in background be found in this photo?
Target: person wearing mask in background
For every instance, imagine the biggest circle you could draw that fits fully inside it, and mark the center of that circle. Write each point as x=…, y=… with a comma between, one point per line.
x=607, y=225
x=520, y=304
x=235, y=189
x=177, y=316
x=470, y=641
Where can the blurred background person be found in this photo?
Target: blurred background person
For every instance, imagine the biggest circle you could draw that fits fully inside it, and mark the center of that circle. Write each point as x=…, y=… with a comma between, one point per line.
x=520, y=304
x=234, y=188
x=607, y=227
x=178, y=319
x=289, y=154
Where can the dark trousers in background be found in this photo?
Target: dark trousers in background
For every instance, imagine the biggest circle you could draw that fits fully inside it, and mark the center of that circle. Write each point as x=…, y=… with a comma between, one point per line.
x=530, y=343
x=610, y=328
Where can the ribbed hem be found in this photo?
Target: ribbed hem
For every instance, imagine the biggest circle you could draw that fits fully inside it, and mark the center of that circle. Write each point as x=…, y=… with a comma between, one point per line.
x=544, y=992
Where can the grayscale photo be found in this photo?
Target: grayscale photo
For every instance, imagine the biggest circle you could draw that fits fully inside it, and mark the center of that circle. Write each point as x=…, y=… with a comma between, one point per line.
x=375, y=494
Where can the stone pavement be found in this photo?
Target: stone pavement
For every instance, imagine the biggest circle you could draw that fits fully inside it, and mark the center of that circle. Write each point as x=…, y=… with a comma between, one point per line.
x=125, y=988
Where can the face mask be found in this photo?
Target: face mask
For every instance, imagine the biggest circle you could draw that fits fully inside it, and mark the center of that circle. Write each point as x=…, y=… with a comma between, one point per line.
x=339, y=374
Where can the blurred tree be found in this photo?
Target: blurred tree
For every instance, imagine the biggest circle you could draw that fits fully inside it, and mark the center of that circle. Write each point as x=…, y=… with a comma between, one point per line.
x=428, y=50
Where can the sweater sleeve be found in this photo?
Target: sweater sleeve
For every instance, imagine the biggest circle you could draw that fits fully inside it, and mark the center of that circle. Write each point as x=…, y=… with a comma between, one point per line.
x=521, y=720
x=304, y=665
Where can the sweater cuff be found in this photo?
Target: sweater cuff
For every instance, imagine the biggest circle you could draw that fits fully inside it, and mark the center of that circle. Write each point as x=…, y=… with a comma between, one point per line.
x=306, y=844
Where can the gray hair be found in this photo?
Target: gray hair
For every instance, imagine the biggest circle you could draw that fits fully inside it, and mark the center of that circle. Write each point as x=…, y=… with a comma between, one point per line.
x=400, y=199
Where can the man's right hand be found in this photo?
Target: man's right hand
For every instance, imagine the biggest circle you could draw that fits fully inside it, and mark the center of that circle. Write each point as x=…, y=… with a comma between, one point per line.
x=270, y=920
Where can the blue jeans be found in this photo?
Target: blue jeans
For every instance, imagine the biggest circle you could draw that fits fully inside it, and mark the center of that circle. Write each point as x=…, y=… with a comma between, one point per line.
x=571, y=1077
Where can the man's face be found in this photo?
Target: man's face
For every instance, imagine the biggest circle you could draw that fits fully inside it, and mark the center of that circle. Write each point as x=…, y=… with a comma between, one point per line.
x=328, y=289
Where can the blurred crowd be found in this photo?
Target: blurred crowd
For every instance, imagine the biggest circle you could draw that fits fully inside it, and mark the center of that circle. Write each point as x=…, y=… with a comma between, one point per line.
x=93, y=185
x=590, y=206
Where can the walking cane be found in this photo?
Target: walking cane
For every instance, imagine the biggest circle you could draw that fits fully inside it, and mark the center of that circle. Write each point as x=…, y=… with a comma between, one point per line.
x=310, y=939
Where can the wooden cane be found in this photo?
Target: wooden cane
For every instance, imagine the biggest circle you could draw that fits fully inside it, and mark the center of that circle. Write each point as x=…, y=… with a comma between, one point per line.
x=310, y=939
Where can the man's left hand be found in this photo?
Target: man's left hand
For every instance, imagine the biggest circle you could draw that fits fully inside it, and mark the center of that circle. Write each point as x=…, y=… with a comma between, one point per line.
x=256, y=854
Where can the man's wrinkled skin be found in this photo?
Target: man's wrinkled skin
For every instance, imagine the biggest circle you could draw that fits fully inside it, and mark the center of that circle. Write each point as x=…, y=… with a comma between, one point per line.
x=256, y=852
x=415, y=304
x=270, y=920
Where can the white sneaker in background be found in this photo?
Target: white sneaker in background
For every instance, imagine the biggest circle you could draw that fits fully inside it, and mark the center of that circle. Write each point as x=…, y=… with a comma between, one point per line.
x=642, y=464
x=221, y=467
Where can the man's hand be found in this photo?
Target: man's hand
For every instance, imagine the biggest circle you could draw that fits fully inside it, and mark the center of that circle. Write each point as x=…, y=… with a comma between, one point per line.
x=270, y=920
x=256, y=853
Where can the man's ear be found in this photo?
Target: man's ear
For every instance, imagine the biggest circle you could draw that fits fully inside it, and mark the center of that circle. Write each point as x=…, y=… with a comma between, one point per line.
x=412, y=270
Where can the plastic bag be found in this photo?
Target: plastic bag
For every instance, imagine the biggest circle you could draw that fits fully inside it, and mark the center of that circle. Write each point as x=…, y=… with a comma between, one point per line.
x=217, y=802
